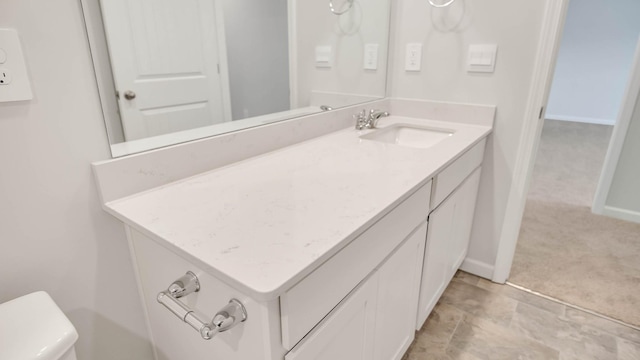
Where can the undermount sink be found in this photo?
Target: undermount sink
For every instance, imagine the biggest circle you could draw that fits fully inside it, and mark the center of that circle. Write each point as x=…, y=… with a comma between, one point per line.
x=409, y=135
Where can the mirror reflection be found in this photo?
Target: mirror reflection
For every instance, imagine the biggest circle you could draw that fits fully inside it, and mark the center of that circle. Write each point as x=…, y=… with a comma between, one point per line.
x=182, y=70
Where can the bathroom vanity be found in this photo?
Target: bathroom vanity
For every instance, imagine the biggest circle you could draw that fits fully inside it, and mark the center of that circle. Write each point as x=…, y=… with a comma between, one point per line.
x=337, y=247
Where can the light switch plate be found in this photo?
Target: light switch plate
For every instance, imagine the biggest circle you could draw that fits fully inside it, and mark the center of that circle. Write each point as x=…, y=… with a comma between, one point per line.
x=482, y=58
x=413, y=58
x=371, y=57
x=323, y=56
x=15, y=85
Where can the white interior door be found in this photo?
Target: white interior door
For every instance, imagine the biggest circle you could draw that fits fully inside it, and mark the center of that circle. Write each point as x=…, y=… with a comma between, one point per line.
x=617, y=194
x=165, y=60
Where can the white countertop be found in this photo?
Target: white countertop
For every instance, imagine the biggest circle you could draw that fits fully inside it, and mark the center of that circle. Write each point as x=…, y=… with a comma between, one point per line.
x=264, y=223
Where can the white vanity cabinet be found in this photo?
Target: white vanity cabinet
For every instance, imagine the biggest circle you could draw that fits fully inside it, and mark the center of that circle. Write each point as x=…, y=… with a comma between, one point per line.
x=449, y=229
x=409, y=281
x=376, y=321
x=338, y=248
x=361, y=303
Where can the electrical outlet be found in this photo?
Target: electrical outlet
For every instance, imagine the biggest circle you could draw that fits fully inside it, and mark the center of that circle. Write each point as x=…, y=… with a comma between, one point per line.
x=371, y=57
x=5, y=77
x=14, y=80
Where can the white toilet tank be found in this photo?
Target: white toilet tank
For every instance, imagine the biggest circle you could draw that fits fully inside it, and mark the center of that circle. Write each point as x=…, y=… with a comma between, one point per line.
x=32, y=327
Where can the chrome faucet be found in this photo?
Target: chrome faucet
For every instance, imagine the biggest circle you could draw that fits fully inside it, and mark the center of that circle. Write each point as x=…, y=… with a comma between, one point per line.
x=370, y=121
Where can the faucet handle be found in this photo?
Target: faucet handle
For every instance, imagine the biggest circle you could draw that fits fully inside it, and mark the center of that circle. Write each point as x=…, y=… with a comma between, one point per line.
x=360, y=119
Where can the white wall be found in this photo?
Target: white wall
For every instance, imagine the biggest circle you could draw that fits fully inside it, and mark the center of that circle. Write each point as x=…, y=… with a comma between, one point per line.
x=53, y=234
x=594, y=60
x=515, y=26
x=367, y=22
x=258, y=56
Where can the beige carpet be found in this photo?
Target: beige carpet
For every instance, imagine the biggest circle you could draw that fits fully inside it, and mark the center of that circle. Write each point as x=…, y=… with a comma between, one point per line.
x=564, y=250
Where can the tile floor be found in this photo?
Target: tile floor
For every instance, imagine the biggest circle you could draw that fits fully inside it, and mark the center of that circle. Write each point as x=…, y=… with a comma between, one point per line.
x=602, y=273
x=477, y=319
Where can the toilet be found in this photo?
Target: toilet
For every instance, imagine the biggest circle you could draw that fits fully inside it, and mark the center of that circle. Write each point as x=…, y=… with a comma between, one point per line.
x=32, y=327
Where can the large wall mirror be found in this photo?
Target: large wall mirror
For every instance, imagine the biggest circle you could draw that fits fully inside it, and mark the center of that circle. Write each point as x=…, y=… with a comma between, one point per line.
x=173, y=71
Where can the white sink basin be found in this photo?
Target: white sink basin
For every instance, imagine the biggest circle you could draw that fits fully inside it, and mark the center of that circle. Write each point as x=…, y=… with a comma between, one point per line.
x=409, y=135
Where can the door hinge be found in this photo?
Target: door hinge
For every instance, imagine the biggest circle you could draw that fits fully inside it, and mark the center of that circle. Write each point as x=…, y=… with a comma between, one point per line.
x=541, y=112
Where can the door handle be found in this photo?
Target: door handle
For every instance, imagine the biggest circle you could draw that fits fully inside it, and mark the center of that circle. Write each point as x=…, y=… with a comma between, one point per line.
x=129, y=95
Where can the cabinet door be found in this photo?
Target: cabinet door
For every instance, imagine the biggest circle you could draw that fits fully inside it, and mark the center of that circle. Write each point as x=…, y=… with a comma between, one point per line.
x=436, y=258
x=447, y=243
x=399, y=283
x=347, y=332
x=463, y=220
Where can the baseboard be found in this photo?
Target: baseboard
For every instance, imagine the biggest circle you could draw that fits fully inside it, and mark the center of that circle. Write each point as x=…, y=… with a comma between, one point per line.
x=622, y=214
x=581, y=119
x=477, y=268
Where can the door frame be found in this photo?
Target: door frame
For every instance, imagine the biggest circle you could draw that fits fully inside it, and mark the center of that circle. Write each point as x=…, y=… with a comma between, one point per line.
x=615, y=146
x=551, y=34
x=293, y=51
x=99, y=52
x=223, y=60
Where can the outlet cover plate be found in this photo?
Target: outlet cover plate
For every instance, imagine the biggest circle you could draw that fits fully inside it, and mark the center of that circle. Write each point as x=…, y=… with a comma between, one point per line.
x=19, y=87
x=413, y=57
x=371, y=56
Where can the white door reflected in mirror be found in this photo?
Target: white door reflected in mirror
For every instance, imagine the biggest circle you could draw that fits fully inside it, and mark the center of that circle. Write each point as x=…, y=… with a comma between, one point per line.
x=164, y=58
x=171, y=72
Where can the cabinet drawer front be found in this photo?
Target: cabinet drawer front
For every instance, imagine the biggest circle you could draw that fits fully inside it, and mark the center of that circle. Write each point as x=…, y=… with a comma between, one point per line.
x=304, y=305
x=453, y=175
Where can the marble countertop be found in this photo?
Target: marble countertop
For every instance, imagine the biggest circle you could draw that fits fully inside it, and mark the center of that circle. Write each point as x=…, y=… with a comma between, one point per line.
x=264, y=223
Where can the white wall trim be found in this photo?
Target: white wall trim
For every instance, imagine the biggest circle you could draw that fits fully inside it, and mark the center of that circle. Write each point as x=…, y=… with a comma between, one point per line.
x=141, y=298
x=92, y=17
x=581, y=119
x=293, y=59
x=622, y=214
x=394, y=21
x=477, y=268
x=618, y=137
x=551, y=33
x=225, y=82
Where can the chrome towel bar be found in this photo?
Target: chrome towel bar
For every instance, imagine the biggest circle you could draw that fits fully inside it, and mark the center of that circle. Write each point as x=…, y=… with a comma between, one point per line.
x=229, y=316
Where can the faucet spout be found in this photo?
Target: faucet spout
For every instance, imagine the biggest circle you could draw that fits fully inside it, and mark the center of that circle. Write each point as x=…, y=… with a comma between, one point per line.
x=378, y=114
x=374, y=116
x=370, y=121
